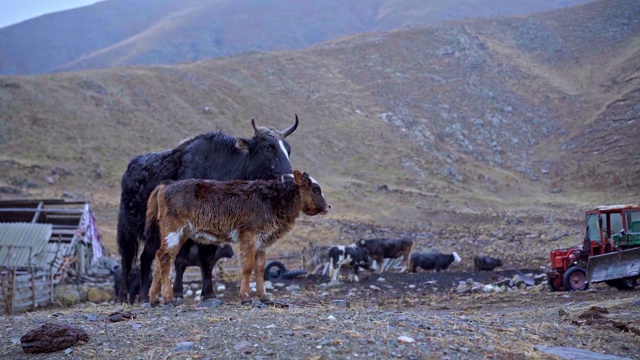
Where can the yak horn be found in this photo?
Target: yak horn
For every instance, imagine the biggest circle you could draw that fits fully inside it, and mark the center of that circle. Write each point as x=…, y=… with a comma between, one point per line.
x=253, y=123
x=290, y=129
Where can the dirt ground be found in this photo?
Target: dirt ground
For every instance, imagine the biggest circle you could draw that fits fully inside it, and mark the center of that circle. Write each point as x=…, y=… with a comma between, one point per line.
x=405, y=316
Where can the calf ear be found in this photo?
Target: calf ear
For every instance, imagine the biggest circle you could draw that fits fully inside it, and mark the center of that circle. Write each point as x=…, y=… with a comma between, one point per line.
x=242, y=144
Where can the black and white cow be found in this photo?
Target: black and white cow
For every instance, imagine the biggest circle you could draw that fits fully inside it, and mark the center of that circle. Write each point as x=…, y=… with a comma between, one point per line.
x=486, y=263
x=429, y=261
x=215, y=156
x=204, y=257
x=349, y=255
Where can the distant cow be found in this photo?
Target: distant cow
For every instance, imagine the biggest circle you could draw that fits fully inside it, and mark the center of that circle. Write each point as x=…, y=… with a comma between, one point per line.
x=437, y=262
x=254, y=214
x=204, y=257
x=215, y=156
x=350, y=255
x=486, y=263
x=134, y=284
x=379, y=249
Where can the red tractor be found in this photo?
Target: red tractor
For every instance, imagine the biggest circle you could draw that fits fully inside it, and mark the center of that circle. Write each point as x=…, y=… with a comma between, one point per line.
x=605, y=255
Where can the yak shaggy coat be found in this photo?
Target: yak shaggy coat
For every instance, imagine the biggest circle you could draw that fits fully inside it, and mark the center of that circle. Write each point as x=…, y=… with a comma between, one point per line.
x=253, y=214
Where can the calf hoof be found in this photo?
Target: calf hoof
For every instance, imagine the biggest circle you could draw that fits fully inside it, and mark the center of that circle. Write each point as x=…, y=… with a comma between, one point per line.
x=179, y=301
x=169, y=305
x=210, y=303
x=246, y=302
x=148, y=305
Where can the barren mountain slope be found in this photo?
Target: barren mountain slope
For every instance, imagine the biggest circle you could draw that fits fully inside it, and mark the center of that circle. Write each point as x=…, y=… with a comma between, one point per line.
x=452, y=134
x=117, y=32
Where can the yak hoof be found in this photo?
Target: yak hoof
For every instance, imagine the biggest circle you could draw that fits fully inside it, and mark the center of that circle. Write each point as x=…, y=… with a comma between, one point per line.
x=210, y=303
x=179, y=301
x=148, y=305
x=245, y=302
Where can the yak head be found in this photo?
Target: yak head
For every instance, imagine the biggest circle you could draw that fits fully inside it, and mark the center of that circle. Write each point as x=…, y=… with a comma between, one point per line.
x=267, y=153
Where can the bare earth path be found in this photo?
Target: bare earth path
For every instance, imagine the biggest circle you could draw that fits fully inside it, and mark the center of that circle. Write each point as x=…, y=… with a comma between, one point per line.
x=442, y=325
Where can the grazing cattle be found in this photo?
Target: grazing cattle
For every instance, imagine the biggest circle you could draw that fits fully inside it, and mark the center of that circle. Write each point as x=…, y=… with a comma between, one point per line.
x=253, y=214
x=134, y=285
x=215, y=156
x=438, y=262
x=204, y=257
x=379, y=249
x=486, y=263
x=351, y=255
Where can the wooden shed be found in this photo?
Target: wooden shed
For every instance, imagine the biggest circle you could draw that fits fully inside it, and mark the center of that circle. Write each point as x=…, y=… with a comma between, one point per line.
x=40, y=242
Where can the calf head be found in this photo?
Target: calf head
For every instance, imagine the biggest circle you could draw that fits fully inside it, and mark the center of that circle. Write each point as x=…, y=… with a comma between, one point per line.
x=224, y=251
x=267, y=152
x=313, y=201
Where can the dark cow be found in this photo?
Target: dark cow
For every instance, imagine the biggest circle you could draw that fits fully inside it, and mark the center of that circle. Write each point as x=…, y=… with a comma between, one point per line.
x=350, y=255
x=204, y=257
x=486, y=263
x=254, y=214
x=438, y=262
x=214, y=156
x=134, y=285
x=379, y=249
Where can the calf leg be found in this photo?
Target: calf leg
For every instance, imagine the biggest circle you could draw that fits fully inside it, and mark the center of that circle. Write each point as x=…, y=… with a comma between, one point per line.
x=156, y=284
x=248, y=255
x=260, y=262
x=164, y=264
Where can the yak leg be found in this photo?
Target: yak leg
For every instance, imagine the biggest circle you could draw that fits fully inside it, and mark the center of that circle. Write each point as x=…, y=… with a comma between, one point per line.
x=128, y=248
x=248, y=255
x=151, y=246
x=178, y=288
x=260, y=262
x=380, y=261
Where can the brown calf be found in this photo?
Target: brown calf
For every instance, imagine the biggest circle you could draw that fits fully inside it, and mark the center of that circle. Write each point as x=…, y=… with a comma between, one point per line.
x=379, y=249
x=253, y=214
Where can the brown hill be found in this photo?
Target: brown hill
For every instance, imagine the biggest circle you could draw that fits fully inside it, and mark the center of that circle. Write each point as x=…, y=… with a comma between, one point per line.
x=475, y=136
x=116, y=32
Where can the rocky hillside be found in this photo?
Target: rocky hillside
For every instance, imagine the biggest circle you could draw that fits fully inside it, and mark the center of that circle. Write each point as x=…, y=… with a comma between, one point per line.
x=117, y=32
x=476, y=135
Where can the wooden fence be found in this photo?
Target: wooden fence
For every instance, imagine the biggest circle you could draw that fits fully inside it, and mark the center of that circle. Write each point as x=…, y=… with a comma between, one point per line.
x=23, y=288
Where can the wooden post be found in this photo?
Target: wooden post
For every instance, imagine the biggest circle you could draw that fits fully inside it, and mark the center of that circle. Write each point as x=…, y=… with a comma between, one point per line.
x=12, y=290
x=33, y=278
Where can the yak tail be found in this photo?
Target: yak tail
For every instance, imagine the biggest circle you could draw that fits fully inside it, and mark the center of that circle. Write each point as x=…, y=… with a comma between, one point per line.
x=151, y=223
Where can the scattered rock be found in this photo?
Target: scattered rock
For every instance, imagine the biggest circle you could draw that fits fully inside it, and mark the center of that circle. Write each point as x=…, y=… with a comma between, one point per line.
x=120, y=316
x=406, y=339
x=98, y=295
x=51, y=337
x=184, y=346
x=573, y=353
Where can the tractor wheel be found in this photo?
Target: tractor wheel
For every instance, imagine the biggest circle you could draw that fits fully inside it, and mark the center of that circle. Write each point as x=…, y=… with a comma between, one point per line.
x=276, y=273
x=575, y=279
x=555, y=284
x=627, y=283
